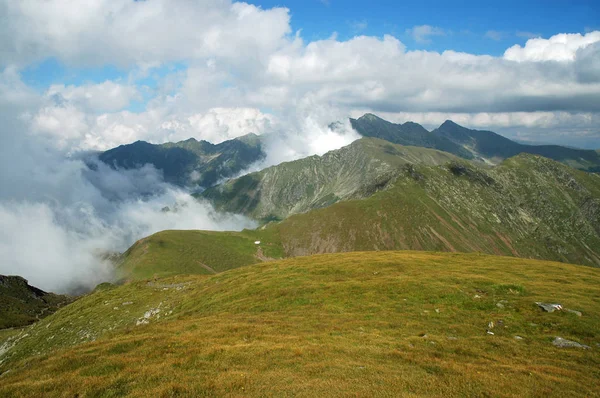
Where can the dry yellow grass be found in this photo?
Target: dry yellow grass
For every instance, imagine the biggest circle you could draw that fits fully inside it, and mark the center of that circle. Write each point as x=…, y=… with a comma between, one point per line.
x=355, y=324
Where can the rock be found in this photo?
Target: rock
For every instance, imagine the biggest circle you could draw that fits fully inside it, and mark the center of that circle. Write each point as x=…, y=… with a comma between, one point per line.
x=564, y=343
x=490, y=333
x=476, y=296
x=573, y=312
x=437, y=310
x=501, y=303
x=518, y=338
x=548, y=307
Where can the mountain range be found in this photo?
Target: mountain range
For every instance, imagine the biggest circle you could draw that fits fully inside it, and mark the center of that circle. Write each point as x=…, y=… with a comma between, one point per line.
x=408, y=263
x=199, y=163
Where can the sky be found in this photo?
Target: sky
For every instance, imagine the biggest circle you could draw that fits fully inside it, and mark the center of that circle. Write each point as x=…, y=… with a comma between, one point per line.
x=78, y=77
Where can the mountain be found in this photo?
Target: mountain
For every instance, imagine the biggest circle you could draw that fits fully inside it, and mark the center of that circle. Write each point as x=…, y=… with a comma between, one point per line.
x=366, y=324
x=355, y=171
x=409, y=133
x=471, y=144
x=22, y=304
x=189, y=162
x=390, y=197
x=493, y=146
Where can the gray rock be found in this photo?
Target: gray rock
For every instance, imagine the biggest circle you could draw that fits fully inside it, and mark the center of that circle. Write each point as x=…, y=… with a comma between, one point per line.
x=564, y=343
x=578, y=313
x=548, y=307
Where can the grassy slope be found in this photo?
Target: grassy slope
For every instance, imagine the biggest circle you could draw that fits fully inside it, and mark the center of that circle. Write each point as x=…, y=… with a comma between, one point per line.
x=527, y=207
x=195, y=252
x=361, y=324
x=22, y=304
x=355, y=171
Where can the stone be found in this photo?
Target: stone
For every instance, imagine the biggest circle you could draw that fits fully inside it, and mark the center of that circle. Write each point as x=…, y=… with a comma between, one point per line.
x=578, y=313
x=518, y=338
x=548, y=307
x=564, y=343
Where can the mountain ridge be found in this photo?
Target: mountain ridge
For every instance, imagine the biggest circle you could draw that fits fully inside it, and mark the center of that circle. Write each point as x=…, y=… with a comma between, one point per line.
x=189, y=162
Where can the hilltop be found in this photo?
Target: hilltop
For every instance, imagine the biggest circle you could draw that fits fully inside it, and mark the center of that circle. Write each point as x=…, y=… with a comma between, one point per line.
x=189, y=162
x=22, y=304
x=394, y=323
x=470, y=144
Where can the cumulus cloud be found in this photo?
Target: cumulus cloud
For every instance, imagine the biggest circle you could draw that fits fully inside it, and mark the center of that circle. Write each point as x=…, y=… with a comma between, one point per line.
x=561, y=47
x=423, y=33
x=106, y=96
x=137, y=32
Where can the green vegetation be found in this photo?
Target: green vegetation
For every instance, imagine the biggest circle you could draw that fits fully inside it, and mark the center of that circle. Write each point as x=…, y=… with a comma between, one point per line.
x=189, y=162
x=360, y=324
x=22, y=304
x=356, y=171
x=527, y=207
x=196, y=252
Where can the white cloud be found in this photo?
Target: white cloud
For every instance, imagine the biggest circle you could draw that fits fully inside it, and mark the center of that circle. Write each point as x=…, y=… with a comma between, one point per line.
x=125, y=32
x=106, y=96
x=423, y=33
x=561, y=47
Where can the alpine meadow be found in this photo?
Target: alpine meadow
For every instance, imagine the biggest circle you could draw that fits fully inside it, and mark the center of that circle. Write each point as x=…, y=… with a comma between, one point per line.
x=213, y=198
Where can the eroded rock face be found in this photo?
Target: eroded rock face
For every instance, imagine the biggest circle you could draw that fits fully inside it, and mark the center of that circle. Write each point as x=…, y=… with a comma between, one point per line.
x=564, y=343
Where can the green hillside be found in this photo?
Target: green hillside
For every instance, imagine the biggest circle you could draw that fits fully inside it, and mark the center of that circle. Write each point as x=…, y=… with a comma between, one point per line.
x=388, y=197
x=527, y=207
x=22, y=304
x=189, y=162
x=195, y=252
x=355, y=171
x=359, y=324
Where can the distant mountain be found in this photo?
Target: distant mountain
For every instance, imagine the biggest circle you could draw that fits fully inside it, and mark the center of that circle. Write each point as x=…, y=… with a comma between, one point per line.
x=408, y=133
x=189, y=162
x=22, y=304
x=490, y=145
x=355, y=171
x=471, y=144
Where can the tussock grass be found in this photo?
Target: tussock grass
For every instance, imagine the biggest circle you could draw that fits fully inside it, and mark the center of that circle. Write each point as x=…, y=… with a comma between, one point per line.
x=354, y=324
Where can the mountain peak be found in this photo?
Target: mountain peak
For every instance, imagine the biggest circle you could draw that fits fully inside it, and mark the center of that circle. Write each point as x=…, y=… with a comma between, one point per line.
x=450, y=123
x=369, y=117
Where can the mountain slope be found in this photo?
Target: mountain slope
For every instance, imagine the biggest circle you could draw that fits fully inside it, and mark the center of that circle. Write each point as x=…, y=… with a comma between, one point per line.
x=356, y=171
x=189, y=162
x=490, y=145
x=409, y=133
x=22, y=304
x=169, y=253
x=528, y=207
x=366, y=324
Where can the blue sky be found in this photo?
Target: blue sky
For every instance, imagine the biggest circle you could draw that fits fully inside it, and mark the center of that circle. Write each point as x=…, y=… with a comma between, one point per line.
x=466, y=22
x=475, y=27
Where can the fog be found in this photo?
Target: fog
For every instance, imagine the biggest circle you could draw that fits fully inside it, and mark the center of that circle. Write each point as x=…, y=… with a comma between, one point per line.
x=62, y=211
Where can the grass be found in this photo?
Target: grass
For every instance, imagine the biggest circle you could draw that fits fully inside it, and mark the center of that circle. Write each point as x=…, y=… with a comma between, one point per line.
x=196, y=252
x=354, y=324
